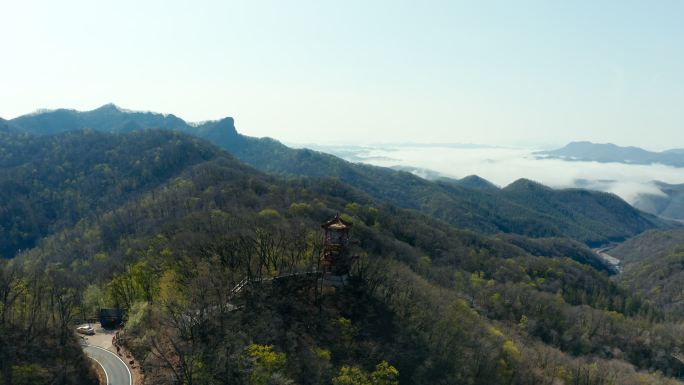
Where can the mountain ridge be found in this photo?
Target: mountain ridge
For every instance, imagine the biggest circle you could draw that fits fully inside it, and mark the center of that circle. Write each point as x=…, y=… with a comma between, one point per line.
x=484, y=210
x=609, y=152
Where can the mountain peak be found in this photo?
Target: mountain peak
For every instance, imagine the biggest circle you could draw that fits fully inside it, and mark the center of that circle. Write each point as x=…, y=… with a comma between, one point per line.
x=476, y=182
x=524, y=184
x=220, y=131
x=227, y=121
x=109, y=107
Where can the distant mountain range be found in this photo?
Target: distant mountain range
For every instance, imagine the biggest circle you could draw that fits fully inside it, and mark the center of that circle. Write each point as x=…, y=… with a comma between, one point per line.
x=608, y=152
x=113, y=119
x=524, y=207
x=670, y=204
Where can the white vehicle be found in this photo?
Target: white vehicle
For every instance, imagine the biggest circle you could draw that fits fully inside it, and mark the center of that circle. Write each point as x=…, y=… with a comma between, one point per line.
x=85, y=329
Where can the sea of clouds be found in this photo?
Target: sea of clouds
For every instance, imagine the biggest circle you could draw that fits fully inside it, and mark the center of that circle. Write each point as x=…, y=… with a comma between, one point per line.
x=505, y=165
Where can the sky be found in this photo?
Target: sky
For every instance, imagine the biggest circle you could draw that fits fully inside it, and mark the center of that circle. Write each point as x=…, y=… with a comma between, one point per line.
x=514, y=73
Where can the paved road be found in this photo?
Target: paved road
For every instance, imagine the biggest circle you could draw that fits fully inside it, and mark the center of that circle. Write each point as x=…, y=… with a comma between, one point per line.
x=116, y=370
x=603, y=254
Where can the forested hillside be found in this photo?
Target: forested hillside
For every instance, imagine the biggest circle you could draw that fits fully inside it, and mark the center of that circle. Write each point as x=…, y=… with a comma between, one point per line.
x=4, y=125
x=648, y=245
x=50, y=182
x=38, y=307
x=523, y=208
x=427, y=302
x=593, y=218
x=653, y=266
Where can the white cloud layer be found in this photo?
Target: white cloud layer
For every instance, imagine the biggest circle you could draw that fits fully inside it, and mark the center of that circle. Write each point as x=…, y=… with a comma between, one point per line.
x=504, y=165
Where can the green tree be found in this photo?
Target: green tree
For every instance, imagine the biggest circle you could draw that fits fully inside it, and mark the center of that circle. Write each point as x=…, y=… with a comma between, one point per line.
x=265, y=363
x=385, y=374
x=351, y=375
x=93, y=300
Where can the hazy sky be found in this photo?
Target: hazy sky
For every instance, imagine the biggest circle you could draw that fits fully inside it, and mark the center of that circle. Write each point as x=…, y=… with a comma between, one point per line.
x=498, y=72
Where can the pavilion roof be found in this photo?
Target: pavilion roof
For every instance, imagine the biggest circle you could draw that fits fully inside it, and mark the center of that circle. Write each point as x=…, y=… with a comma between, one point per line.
x=337, y=223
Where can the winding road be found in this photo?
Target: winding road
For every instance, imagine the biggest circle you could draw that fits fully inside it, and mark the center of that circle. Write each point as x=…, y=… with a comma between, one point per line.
x=603, y=254
x=115, y=369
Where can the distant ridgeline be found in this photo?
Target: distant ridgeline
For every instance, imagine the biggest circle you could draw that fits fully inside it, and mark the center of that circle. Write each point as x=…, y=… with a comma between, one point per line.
x=669, y=203
x=608, y=152
x=524, y=207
